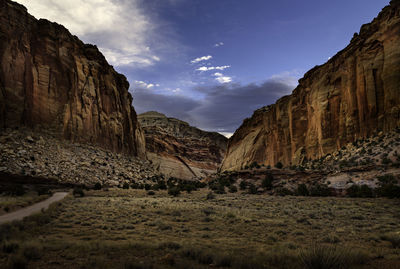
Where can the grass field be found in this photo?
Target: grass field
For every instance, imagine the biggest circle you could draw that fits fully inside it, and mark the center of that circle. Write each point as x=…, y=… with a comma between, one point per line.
x=131, y=229
x=10, y=203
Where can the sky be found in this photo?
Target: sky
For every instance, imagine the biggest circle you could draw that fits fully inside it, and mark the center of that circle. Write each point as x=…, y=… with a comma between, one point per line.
x=211, y=63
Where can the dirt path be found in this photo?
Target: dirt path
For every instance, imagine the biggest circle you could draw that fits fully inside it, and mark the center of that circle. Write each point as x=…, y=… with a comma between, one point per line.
x=35, y=208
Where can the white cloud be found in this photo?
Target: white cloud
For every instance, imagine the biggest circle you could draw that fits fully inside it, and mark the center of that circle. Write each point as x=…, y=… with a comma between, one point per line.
x=219, y=44
x=205, y=68
x=121, y=29
x=144, y=85
x=200, y=59
x=288, y=77
x=221, y=78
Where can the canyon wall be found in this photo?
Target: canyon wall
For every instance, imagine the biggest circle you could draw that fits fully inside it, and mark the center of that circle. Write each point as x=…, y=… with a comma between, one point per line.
x=180, y=150
x=51, y=80
x=352, y=96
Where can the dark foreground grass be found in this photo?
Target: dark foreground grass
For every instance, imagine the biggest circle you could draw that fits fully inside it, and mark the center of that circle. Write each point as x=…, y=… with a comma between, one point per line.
x=131, y=229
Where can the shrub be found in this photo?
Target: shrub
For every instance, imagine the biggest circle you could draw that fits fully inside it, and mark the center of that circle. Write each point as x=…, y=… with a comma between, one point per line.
x=393, y=238
x=33, y=251
x=243, y=185
x=210, y=196
x=78, y=192
x=279, y=165
x=97, y=186
x=386, y=179
x=282, y=191
x=320, y=190
x=17, y=262
x=302, y=190
x=360, y=191
x=252, y=189
x=233, y=189
x=389, y=190
x=43, y=191
x=17, y=190
x=267, y=182
x=10, y=247
x=125, y=186
x=151, y=193
x=321, y=257
x=174, y=191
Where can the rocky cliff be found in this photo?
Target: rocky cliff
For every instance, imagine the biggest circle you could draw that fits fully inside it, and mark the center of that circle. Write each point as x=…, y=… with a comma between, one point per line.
x=50, y=79
x=180, y=150
x=355, y=94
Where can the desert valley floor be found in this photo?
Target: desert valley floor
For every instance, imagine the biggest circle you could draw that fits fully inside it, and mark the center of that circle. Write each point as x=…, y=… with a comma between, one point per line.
x=120, y=228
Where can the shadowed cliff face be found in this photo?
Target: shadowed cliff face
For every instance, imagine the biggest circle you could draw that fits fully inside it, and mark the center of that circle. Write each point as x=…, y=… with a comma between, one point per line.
x=180, y=150
x=50, y=79
x=353, y=95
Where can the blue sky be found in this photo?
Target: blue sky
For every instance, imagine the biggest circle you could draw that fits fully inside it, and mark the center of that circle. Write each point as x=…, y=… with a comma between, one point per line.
x=209, y=62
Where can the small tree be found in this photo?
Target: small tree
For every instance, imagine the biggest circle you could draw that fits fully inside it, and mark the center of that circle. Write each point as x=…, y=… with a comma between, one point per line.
x=267, y=182
x=97, y=186
x=279, y=165
x=302, y=190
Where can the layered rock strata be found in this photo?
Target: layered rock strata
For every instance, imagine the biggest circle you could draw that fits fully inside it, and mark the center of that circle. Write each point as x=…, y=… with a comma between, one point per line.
x=49, y=79
x=352, y=96
x=180, y=150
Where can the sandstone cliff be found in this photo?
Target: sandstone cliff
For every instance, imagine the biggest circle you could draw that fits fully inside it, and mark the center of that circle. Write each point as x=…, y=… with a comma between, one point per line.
x=180, y=150
x=353, y=95
x=50, y=79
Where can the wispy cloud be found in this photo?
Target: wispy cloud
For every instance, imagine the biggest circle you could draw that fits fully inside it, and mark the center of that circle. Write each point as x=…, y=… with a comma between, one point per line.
x=221, y=78
x=122, y=29
x=200, y=59
x=219, y=44
x=144, y=85
x=210, y=68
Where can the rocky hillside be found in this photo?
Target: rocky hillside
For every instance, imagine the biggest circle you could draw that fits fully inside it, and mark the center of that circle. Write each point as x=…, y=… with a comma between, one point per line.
x=180, y=150
x=353, y=95
x=51, y=80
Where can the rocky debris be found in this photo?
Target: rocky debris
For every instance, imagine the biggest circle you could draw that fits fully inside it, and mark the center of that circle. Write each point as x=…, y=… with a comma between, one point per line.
x=180, y=150
x=361, y=163
x=52, y=80
x=348, y=98
x=41, y=154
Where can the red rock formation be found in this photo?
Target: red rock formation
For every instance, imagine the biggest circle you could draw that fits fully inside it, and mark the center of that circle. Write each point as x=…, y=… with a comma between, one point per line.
x=50, y=79
x=180, y=150
x=353, y=95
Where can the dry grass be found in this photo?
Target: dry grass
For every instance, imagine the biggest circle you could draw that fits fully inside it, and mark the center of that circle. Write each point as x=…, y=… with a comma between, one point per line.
x=10, y=203
x=129, y=229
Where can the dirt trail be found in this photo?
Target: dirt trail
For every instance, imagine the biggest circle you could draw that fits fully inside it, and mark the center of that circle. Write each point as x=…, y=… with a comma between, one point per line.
x=35, y=208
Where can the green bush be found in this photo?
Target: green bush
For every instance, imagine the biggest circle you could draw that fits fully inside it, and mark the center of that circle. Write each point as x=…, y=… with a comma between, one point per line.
x=151, y=193
x=125, y=186
x=174, y=191
x=78, y=192
x=320, y=190
x=252, y=189
x=302, y=190
x=233, y=189
x=210, y=196
x=243, y=185
x=389, y=190
x=360, y=191
x=279, y=165
x=33, y=251
x=282, y=191
x=267, y=182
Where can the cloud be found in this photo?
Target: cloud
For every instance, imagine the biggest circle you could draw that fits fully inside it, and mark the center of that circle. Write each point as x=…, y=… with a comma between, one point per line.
x=221, y=108
x=144, y=85
x=200, y=59
x=221, y=78
x=122, y=29
x=219, y=44
x=205, y=68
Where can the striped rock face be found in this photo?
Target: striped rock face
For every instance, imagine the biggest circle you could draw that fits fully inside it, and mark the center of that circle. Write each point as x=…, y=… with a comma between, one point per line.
x=352, y=96
x=50, y=80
